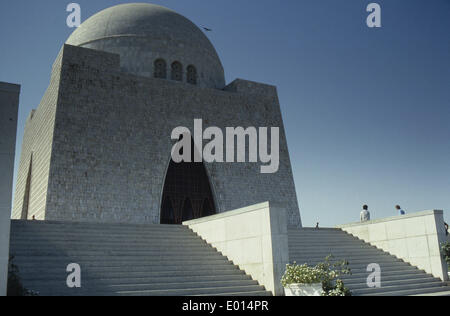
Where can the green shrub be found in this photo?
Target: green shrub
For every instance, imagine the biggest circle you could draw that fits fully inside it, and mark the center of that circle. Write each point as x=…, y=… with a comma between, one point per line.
x=325, y=272
x=446, y=252
x=301, y=274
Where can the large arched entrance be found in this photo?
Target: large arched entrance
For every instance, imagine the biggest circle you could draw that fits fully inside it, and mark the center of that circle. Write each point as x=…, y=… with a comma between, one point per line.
x=187, y=193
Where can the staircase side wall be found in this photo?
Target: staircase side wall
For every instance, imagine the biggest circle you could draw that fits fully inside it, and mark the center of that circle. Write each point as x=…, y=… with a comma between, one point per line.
x=415, y=238
x=254, y=238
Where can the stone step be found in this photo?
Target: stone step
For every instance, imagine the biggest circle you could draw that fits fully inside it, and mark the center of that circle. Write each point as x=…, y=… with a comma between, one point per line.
x=386, y=269
x=325, y=253
x=419, y=291
x=398, y=273
x=125, y=263
x=189, y=292
x=175, y=279
x=106, y=243
x=350, y=258
x=316, y=239
x=107, y=275
x=92, y=231
x=394, y=288
x=398, y=282
x=321, y=234
x=115, y=253
x=329, y=244
x=62, y=248
x=240, y=291
x=443, y=293
x=103, y=237
x=337, y=250
x=53, y=288
x=322, y=231
x=174, y=266
x=115, y=258
x=23, y=224
x=363, y=266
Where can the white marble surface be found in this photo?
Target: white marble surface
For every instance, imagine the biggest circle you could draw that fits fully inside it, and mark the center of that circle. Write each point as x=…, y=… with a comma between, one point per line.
x=416, y=238
x=254, y=238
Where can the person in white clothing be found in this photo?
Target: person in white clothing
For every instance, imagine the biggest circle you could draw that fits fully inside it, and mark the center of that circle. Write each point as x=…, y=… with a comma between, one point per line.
x=365, y=215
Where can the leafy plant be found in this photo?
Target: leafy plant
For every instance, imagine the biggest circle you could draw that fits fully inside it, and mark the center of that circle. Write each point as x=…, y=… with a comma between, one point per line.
x=446, y=252
x=326, y=272
x=331, y=284
x=338, y=290
x=301, y=274
x=15, y=287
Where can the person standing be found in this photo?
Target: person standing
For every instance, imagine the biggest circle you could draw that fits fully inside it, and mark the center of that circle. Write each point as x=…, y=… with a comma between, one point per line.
x=365, y=214
x=400, y=210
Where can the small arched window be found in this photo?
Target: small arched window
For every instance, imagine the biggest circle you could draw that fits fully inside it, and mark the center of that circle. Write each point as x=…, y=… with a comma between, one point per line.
x=177, y=71
x=191, y=75
x=160, y=69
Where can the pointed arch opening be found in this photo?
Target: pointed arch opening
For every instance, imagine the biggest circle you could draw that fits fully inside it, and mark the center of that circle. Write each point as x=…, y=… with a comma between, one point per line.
x=185, y=191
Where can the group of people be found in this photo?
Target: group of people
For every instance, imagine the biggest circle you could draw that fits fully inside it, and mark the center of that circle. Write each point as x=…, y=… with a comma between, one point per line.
x=365, y=214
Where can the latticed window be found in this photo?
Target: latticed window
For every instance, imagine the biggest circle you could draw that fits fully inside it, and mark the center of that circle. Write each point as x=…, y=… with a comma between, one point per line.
x=160, y=69
x=177, y=71
x=191, y=75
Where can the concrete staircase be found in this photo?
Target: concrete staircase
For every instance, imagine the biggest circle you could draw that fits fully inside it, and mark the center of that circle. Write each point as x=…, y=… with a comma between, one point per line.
x=398, y=278
x=124, y=260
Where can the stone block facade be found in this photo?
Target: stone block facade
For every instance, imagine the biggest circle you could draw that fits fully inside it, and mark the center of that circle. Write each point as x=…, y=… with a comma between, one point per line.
x=100, y=143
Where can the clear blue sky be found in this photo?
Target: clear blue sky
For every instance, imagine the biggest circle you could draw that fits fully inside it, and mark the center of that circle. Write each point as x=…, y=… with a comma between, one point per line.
x=367, y=111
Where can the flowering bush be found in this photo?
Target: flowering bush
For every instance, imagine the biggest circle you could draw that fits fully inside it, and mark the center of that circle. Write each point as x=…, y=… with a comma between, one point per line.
x=338, y=290
x=325, y=272
x=301, y=274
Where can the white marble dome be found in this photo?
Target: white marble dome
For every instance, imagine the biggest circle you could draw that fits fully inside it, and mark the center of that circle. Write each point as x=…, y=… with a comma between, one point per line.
x=153, y=41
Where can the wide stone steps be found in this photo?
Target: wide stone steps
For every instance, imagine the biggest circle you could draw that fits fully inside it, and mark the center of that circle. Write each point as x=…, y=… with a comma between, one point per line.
x=395, y=282
x=123, y=260
x=182, y=252
x=236, y=290
x=94, y=289
x=55, y=264
x=127, y=275
x=311, y=246
x=112, y=247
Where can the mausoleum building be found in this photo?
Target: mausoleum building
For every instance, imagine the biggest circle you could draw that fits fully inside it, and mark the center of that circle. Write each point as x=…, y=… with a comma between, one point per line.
x=98, y=147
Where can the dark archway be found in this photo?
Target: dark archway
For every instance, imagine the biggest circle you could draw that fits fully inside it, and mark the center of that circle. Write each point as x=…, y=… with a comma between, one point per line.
x=186, y=190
